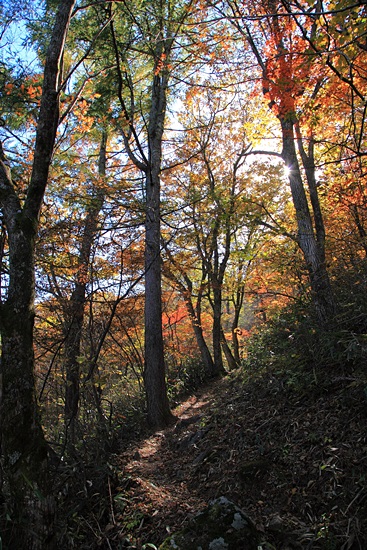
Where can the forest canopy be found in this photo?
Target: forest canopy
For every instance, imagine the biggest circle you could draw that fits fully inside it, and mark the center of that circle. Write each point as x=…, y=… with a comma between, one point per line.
x=182, y=189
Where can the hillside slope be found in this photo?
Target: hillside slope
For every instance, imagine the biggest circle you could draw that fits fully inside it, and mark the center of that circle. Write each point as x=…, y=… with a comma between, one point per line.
x=294, y=459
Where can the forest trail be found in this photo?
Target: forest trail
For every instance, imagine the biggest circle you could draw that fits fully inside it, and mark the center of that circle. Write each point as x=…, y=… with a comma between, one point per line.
x=157, y=472
x=294, y=462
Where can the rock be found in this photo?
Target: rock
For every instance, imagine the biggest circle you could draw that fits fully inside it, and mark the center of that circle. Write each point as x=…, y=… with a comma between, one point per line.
x=221, y=526
x=276, y=524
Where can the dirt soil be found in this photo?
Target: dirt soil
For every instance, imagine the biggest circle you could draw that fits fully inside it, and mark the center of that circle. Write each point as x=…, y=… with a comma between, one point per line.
x=295, y=462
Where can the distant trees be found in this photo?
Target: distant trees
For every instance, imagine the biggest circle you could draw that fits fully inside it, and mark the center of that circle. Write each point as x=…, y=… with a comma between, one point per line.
x=88, y=261
x=75, y=307
x=222, y=214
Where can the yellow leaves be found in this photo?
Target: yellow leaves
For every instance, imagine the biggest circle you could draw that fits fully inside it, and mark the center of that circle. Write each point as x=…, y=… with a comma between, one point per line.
x=83, y=106
x=192, y=94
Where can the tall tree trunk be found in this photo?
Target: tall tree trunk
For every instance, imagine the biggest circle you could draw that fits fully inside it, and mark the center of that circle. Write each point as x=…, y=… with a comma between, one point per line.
x=313, y=249
x=158, y=410
x=311, y=233
x=76, y=305
x=24, y=450
x=159, y=27
x=216, y=268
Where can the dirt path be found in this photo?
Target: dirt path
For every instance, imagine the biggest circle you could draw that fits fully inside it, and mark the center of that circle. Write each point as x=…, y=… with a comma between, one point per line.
x=157, y=473
x=294, y=462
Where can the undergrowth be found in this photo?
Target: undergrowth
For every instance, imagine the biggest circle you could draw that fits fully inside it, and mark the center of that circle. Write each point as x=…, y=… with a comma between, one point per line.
x=291, y=347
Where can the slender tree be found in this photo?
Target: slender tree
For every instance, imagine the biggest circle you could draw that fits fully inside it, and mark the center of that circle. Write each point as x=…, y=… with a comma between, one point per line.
x=75, y=307
x=285, y=77
x=154, y=33
x=220, y=213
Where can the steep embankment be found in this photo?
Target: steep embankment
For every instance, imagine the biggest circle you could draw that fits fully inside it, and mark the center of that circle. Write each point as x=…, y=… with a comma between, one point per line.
x=295, y=460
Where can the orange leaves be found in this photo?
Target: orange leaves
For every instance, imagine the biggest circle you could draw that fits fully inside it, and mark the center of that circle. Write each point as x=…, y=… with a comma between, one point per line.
x=29, y=90
x=180, y=342
x=34, y=92
x=285, y=77
x=170, y=319
x=81, y=111
x=286, y=69
x=9, y=87
x=160, y=64
x=192, y=95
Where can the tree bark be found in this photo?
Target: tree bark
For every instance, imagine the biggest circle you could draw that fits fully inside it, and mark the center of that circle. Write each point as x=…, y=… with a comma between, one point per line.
x=159, y=28
x=311, y=233
x=238, y=303
x=217, y=327
x=200, y=340
x=231, y=361
x=313, y=248
x=24, y=450
x=158, y=410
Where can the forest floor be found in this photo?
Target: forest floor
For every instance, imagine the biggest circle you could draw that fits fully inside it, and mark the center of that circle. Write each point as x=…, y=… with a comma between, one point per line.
x=294, y=459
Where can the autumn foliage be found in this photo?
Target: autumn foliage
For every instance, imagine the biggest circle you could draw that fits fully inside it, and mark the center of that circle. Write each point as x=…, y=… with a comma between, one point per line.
x=182, y=189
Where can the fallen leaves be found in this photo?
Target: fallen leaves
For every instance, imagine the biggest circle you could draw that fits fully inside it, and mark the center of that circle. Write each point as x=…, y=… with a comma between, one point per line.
x=296, y=466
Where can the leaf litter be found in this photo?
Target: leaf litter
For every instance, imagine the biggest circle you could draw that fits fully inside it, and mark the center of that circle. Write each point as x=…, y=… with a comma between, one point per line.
x=296, y=463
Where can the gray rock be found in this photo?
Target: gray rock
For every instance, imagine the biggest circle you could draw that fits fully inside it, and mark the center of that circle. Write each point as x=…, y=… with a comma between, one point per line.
x=221, y=526
x=218, y=544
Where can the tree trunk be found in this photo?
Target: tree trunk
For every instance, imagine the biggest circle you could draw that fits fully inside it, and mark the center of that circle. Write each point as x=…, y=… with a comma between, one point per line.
x=312, y=249
x=231, y=361
x=238, y=303
x=158, y=410
x=159, y=27
x=200, y=340
x=24, y=450
x=311, y=234
x=76, y=305
x=217, y=329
